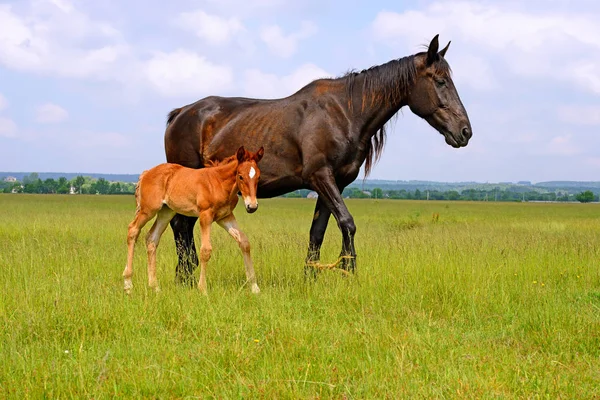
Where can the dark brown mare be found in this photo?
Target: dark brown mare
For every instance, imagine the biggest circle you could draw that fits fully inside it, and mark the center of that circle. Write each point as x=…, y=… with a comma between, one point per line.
x=317, y=138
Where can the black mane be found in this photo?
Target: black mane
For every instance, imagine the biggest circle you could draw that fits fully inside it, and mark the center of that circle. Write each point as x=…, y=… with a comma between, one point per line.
x=383, y=84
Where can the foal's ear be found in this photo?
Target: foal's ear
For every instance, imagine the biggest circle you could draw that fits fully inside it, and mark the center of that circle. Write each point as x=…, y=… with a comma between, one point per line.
x=241, y=153
x=432, y=51
x=259, y=154
x=444, y=50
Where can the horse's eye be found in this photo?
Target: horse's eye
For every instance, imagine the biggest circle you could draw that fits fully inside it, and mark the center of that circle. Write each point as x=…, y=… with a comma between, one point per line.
x=241, y=178
x=440, y=82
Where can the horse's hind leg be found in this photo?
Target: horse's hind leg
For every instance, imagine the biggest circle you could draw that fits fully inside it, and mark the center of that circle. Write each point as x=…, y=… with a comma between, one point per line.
x=231, y=226
x=183, y=230
x=163, y=218
x=133, y=232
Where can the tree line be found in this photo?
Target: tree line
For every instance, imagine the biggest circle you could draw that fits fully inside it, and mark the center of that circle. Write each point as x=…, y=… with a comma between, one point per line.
x=77, y=185
x=466, y=195
x=87, y=185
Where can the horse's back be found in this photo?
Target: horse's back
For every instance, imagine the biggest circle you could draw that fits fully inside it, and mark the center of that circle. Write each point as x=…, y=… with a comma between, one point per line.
x=191, y=128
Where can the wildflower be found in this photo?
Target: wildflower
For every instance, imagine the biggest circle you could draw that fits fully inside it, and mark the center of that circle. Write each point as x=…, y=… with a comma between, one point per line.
x=534, y=282
x=256, y=341
x=66, y=351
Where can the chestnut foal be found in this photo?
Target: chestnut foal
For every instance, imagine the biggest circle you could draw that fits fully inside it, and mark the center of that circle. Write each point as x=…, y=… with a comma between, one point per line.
x=208, y=193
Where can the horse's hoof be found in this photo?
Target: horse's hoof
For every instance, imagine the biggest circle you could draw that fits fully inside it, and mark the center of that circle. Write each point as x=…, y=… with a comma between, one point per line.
x=188, y=282
x=255, y=289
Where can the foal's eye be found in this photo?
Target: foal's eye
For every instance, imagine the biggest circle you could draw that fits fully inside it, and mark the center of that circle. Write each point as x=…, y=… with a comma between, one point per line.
x=241, y=178
x=440, y=82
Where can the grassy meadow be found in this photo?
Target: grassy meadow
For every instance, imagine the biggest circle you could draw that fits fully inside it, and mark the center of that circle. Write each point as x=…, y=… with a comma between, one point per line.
x=492, y=300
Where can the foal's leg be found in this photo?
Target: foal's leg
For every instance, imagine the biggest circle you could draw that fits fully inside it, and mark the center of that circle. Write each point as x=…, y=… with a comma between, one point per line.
x=153, y=238
x=205, y=248
x=230, y=225
x=133, y=232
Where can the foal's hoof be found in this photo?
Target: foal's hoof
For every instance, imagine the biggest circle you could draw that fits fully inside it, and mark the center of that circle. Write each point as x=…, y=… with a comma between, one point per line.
x=127, y=286
x=255, y=289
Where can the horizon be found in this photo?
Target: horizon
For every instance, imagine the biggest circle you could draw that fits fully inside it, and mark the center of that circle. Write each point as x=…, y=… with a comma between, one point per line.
x=87, y=86
x=4, y=174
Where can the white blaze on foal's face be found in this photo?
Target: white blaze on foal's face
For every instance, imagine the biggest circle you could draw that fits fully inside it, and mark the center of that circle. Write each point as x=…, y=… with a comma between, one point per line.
x=249, y=175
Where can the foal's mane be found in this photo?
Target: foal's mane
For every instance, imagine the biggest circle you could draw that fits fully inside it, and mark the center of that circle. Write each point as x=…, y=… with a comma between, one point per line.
x=216, y=163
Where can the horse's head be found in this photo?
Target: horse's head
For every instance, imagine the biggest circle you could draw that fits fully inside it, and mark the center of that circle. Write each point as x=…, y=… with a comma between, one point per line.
x=247, y=176
x=435, y=99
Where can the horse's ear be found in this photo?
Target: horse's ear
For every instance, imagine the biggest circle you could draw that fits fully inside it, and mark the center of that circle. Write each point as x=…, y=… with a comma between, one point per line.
x=432, y=52
x=241, y=153
x=259, y=154
x=444, y=50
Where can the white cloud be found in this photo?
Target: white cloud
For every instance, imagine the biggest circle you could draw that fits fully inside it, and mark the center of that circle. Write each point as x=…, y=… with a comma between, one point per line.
x=580, y=115
x=8, y=128
x=99, y=139
x=474, y=72
x=3, y=102
x=55, y=38
x=212, y=28
x=562, y=145
x=263, y=85
x=183, y=73
x=563, y=46
x=593, y=161
x=50, y=113
x=286, y=45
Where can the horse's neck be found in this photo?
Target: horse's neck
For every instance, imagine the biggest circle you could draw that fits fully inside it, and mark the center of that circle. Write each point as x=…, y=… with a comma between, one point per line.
x=372, y=110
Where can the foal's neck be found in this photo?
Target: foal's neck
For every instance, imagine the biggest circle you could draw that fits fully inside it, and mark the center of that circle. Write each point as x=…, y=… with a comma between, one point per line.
x=227, y=176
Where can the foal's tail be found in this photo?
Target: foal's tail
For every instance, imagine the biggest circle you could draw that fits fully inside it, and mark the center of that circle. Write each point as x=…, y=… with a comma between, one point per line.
x=138, y=194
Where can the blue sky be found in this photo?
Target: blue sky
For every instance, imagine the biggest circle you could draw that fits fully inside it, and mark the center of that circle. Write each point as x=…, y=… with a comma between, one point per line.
x=85, y=85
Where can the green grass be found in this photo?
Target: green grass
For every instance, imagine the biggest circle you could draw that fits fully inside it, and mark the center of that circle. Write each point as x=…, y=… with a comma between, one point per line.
x=492, y=301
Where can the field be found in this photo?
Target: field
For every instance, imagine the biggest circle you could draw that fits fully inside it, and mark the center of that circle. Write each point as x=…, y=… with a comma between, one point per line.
x=493, y=300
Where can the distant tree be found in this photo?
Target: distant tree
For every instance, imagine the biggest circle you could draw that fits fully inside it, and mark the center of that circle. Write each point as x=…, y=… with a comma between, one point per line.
x=33, y=186
x=49, y=186
x=101, y=186
x=32, y=178
x=377, y=193
x=585, y=197
x=62, y=185
x=453, y=195
x=115, y=188
x=78, y=183
x=417, y=194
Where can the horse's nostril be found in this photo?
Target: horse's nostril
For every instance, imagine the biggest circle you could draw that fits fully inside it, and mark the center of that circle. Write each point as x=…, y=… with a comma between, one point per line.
x=466, y=133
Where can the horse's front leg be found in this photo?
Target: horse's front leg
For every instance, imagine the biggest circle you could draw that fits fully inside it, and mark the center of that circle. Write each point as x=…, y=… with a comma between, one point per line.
x=323, y=182
x=206, y=220
x=317, y=234
x=231, y=226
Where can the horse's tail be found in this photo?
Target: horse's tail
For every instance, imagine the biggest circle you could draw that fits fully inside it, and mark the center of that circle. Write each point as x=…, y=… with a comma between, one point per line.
x=138, y=194
x=174, y=113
